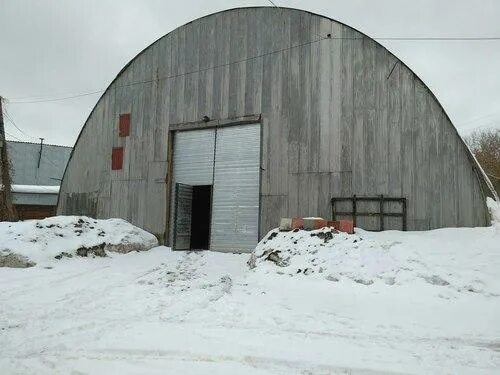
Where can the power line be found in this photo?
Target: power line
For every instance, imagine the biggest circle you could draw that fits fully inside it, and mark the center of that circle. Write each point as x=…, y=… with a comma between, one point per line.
x=21, y=101
x=13, y=136
x=439, y=38
x=12, y=123
x=9, y=118
x=184, y=74
x=332, y=37
x=43, y=156
x=273, y=4
x=54, y=95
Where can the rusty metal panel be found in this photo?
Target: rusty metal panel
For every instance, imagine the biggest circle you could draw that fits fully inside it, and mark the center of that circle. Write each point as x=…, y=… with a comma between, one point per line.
x=124, y=125
x=117, y=158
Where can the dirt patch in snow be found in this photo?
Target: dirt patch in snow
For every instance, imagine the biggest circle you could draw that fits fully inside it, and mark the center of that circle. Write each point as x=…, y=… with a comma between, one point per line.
x=15, y=261
x=295, y=251
x=30, y=242
x=324, y=253
x=97, y=251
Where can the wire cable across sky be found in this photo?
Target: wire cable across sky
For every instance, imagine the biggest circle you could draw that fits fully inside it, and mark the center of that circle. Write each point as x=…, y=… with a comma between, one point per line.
x=54, y=98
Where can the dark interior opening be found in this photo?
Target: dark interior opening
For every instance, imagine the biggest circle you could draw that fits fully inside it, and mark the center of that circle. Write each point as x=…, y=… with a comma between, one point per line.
x=200, y=217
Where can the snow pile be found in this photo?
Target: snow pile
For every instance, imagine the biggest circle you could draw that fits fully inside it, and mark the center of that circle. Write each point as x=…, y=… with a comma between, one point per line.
x=494, y=208
x=35, y=189
x=25, y=243
x=440, y=257
x=326, y=253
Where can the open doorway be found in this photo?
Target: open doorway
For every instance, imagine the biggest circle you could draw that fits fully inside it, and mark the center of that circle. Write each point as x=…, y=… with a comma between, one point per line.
x=200, y=217
x=192, y=217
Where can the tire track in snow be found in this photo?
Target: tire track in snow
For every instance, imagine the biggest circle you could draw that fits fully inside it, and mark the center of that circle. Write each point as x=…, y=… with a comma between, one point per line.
x=252, y=361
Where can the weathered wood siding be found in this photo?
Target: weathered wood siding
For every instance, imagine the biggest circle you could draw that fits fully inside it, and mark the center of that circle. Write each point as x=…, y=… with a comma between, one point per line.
x=335, y=123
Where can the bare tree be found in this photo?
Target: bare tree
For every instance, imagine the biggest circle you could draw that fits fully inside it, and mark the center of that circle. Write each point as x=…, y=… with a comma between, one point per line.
x=7, y=211
x=485, y=144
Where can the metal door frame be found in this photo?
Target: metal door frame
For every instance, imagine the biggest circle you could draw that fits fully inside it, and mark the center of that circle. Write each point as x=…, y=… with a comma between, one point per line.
x=381, y=214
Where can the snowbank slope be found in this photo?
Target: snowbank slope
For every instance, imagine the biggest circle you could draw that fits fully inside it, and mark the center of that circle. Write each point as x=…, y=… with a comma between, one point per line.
x=42, y=240
x=464, y=260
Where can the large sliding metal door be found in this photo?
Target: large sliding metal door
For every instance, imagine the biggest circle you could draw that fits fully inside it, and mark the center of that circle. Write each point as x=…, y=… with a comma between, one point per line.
x=234, y=174
x=235, y=210
x=193, y=164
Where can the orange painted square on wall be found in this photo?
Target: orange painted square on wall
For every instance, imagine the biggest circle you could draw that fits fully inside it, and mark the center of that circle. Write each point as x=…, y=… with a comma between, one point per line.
x=117, y=158
x=124, y=125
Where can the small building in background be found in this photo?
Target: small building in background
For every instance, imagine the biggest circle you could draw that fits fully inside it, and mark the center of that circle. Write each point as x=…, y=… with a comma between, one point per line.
x=37, y=170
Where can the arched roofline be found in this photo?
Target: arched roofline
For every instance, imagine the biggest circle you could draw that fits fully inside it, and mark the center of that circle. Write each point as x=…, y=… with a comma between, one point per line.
x=486, y=181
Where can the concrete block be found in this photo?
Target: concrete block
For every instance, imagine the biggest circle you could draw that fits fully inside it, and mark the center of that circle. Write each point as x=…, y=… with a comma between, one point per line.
x=309, y=224
x=285, y=224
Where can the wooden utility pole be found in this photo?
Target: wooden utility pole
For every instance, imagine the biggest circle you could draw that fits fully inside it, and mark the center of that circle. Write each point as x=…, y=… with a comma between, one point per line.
x=6, y=209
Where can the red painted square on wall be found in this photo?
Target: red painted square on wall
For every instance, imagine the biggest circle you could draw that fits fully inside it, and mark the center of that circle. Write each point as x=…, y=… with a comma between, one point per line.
x=124, y=125
x=117, y=158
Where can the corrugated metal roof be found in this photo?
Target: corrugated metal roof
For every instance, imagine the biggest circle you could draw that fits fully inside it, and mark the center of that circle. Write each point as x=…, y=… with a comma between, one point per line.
x=26, y=170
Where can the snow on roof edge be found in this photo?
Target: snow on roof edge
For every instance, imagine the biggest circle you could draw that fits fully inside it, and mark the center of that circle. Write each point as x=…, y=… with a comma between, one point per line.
x=38, y=143
x=35, y=189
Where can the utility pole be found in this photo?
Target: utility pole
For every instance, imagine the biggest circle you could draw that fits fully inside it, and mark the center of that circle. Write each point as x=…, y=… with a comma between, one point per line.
x=40, y=154
x=6, y=209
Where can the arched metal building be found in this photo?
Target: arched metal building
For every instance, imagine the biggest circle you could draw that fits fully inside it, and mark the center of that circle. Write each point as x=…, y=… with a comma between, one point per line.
x=219, y=128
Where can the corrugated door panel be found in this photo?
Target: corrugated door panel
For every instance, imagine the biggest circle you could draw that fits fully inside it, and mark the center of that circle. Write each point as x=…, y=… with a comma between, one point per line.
x=193, y=161
x=235, y=209
x=182, y=218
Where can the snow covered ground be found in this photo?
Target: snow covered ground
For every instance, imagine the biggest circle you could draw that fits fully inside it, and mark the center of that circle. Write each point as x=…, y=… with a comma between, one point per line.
x=383, y=303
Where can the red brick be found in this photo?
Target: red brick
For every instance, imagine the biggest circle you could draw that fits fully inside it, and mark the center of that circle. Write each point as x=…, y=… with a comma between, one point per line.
x=320, y=223
x=334, y=224
x=297, y=223
x=346, y=226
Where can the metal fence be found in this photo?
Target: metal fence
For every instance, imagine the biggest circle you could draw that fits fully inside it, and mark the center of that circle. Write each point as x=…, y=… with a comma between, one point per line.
x=380, y=211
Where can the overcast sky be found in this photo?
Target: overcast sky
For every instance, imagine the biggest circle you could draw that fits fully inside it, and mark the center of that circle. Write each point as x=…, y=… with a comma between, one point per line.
x=55, y=48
